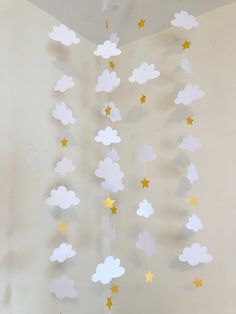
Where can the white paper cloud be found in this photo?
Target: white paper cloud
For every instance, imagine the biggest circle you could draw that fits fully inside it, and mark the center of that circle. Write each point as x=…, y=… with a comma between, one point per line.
x=185, y=20
x=114, y=38
x=65, y=83
x=108, y=270
x=113, y=154
x=189, y=94
x=115, y=112
x=107, y=82
x=62, y=253
x=63, y=114
x=145, y=209
x=63, y=198
x=64, y=35
x=144, y=73
x=186, y=66
x=107, y=136
x=195, y=254
x=64, y=166
x=194, y=223
x=146, y=243
x=62, y=287
x=190, y=143
x=107, y=50
x=146, y=154
x=192, y=175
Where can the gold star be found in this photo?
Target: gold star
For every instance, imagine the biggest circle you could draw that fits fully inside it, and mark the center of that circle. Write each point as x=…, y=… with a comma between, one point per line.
x=145, y=183
x=197, y=282
x=193, y=200
x=141, y=23
x=149, y=276
x=109, y=303
x=143, y=99
x=186, y=44
x=63, y=226
x=108, y=111
x=114, y=288
x=189, y=120
x=112, y=65
x=64, y=142
x=113, y=210
x=106, y=24
x=108, y=203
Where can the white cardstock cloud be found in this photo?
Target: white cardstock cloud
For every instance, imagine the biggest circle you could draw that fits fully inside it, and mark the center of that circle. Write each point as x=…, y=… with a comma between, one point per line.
x=63, y=198
x=62, y=113
x=64, y=166
x=62, y=253
x=64, y=35
x=189, y=94
x=194, y=223
x=185, y=20
x=146, y=243
x=65, y=83
x=115, y=112
x=195, y=254
x=107, y=136
x=107, y=82
x=145, y=209
x=107, y=49
x=146, y=154
x=186, y=65
x=192, y=175
x=62, y=287
x=114, y=38
x=190, y=143
x=113, y=154
x=144, y=73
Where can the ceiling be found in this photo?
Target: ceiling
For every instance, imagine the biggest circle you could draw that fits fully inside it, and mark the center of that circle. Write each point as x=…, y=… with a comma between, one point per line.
x=87, y=18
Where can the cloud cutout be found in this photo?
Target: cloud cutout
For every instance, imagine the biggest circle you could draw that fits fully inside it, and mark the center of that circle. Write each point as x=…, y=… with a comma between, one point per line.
x=146, y=154
x=63, y=114
x=190, y=143
x=108, y=270
x=63, y=198
x=146, y=243
x=107, y=136
x=64, y=166
x=145, y=209
x=114, y=114
x=113, y=154
x=62, y=253
x=114, y=38
x=194, y=223
x=107, y=82
x=185, y=20
x=186, y=66
x=64, y=35
x=192, y=175
x=195, y=254
x=107, y=49
x=62, y=287
x=144, y=73
x=189, y=94
x=65, y=83
x=110, y=171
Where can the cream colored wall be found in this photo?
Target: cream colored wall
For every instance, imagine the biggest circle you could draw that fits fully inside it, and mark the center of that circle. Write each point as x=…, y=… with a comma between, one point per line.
x=30, y=65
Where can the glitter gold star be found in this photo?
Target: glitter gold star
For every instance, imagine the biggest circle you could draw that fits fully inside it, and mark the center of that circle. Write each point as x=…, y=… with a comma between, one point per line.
x=193, y=200
x=145, y=183
x=106, y=24
x=114, y=288
x=64, y=142
x=108, y=111
x=143, y=99
x=189, y=120
x=113, y=210
x=63, y=226
x=141, y=23
x=197, y=282
x=109, y=303
x=186, y=44
x=112, y=65
x=149, y=276
x=108, y=203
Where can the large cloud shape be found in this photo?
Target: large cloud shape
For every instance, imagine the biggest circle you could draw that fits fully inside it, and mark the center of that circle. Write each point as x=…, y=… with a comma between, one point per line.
x=107, y=49
x=65, y=83
x=194, y=223
x=146, y=243
x=64, y=166
x=62, y=287
x=189, y=94
x=190, y=143
x=64, y=35
x=62, y=253
x=144, y=73
x=185, y=20
x=114, y=114
x=108, y=270
x=107, y=82
x=63, y=198
x=146, y=154
x=192, y=175
x=145, y=209
x=195, y=254
x=107, y=136
x=63, y=114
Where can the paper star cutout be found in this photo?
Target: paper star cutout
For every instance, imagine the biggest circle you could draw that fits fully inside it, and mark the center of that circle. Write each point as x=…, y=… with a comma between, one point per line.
x=109, y=303
x=113, y=210
x=112, y=65
x=63, y=226
x=141, y=23
x=197, y=282
x=149, y=276
x=114, y=288
x=64, y=142
x=108, y=203
x=145, y=183
x=143, y=99
x=189, y=120
x=106, y=24
x=193, y=200
x=108, y=111
x=186, y=44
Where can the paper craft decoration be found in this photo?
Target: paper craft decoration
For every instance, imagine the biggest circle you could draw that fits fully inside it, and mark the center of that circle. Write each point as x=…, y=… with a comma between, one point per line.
x=62, y=253
x=113, y=154
x=149, y=276
x=141, y=23
x=186, y=66
x=63, y=114
x=64, y=166
x=186, y=44
x=146, y=243
x=145, y=209
x=194, y=223
x=62, y=287
x=146, y=154
x=193, y=200
x=190, y=143
x=114, y=112
x=65, y=83
x=110, y=171
x=63, y=198
x=107, y=82
x=144, y=73
x=195, y=254
x=189, y=94
x=64, y=35
x=107, y=136
x=108, y=270
x=192, y=173
x=114, y=38
x=197, y=282
x=185, y=20
x=107, y=49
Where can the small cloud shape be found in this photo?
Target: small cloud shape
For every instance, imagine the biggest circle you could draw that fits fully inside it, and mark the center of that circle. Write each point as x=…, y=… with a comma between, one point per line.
x=189, y=94
x=185, y=20
x=64, y=35
x=108, y=270
x=145, y=209
x=62, y=287
x=114, y=38
x=146, y=243
x=146, y=154
x=62, y=113
x=64, y=166
x=113, y=154
x=194, y=223
x=107, y=136
x=65, y=83
x=192, y=175
x=144, y=73
x=63, y=198
x=190, y=143
x=114, y=114
x=107, y=49
x=107, y=82
x=195, y=254
x=62, y=253
x=186, y=66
